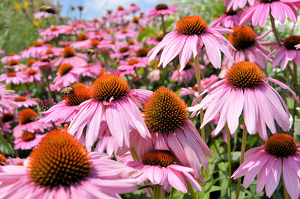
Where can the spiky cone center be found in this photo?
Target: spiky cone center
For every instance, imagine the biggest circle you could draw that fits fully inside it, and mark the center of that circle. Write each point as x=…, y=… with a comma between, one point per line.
x=124, y=31
x=27, y=115
x=54, y=29
x=49, y=52
x=161, y=158
x=120, y=8
x=267, y=1
x=30, y=62
x=133, y=61
x=135, y=20
x=7, y=117
x=230, y=12
x=191, y=25
x=20, y=99
x=38, y=44
x=142, y=52
x=165, y=111
x=109, y=87
x=244, y=75
x=59, y=160
x=290, y=42
x=95, y=42
x=31, y=72
x=281, y=145
x=78, y=95
x=27, y=136
x=188, y=65
x=130, y=42
x=64, y=69
x=82, y=37
x=124, y=49
x=11, y=74
x=68, y=52
x=3, y=160
x=44, y=105
x=11, y=54
x=13, y=62
x=161, y=7
x=242, y=37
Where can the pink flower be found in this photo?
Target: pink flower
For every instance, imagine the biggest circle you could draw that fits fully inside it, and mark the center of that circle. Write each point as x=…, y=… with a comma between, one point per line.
x=52, y=31
x=2, y=52
x=248, y=47
x=125, y=33
x=280, y=154
x=67, y=74
x=9, y=57
x=244, y=90
x=154, y=75
x=112, y=99
x=229, y=19
x=159, y=168
x=51, y=52
x=133, y=63
x=205, y=84
x=28, y=141
x=81, y=42
x=132, y=8
x=14, y=77
x=7, y=117
x=5, y=96
x=287, y=52
x=190, y=36
x=28, y=123
x=69, y=56
x=67, y=109
x=25, y=101
x=37, y=49
x=238, y=3
x=162, y=9
x=88, y=175
x=258, y=13
x=166, y=118
x=119, y=13
x=14, y=66
x=34, y=74
x=186, y=74
x=42, y=14
x=123, y=52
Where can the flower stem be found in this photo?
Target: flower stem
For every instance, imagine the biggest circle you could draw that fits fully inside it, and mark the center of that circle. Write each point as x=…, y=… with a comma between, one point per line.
x=229, y=158
x=156, y=191
x=37, y=88
x=163, y=24
x=242, y=158
x=295, y=100
x=286, y=194
x=193, y=195
x=134, y=154
x=274, y=30
x=48, y=85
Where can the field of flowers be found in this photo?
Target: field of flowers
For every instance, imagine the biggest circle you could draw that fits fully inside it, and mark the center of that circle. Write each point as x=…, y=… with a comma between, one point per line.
x=174, y=103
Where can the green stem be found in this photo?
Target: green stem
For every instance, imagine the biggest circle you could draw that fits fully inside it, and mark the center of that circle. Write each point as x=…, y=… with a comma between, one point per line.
x=163, y=24
x=295, y=100
x=54, y=126
x=274, y=30
x=242, y=158
x=191, y=189
x=11, y=143
x=156, y=191
x=134, y=154
x=48, y=85
x=286, y=194
x=229, y=158
x=37, y=88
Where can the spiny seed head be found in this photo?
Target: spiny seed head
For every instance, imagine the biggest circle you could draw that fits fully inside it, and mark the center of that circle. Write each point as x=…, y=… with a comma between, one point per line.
x=49, y=52
x=13, y=62
x=230, y=12
x=95, y=42
x=38, y=44
x=27, y=115
x=109, y=87
x=82, y=37
x=165, y=111
x=120, y=8
x=11, y=74
x=142, y=52
x=68, y=52
x=20, y=99
x=27, y=136
x=244, y=75
x=59, y=160
x=7, y=117
x=123, y=50
x=188, y=65
x=290, y=42
x=242, y=37
x=133, y=61
x=64, y=69
x=3, y=160
x=267, y=1
x=80, y=94
x=130, y=42
x=161, y=7
x=191, y=25
x=161, y=158
x=30, y=62
x=31, y=72
x=281, y=145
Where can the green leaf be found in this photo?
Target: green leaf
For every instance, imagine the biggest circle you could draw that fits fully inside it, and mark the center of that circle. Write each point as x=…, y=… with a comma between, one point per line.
x=6, y=145
x=143, y=34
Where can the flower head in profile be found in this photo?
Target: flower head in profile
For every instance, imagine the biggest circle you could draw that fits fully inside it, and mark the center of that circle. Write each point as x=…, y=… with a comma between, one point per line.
x=5, y=96
x=279, y=155
x=159, y=168
x=162, y=9
x=28, y=140
x=111, y=98
x=244, y=90
x=25, y=101
x=72, y=174
x=69, y=56
x=258, y=13
x=166, y=116
x=14, y=77
x=14, y=65
x=9, y=57
x=235, y=4
x=287, y=52
x=229, y=19
x=248, y=47
x=191, y=34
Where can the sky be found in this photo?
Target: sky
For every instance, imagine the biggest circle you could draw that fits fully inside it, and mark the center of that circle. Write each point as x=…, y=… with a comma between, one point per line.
x=96, y=8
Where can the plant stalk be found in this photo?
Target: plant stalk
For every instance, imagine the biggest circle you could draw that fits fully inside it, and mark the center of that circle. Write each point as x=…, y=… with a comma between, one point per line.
x=229, y=158
x=156, y=191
